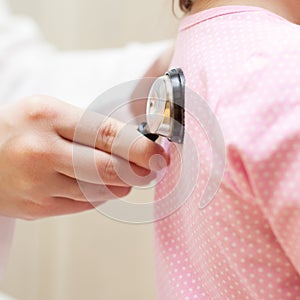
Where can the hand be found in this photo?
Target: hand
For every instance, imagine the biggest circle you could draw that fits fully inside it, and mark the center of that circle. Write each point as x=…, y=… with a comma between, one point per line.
x=37, y=177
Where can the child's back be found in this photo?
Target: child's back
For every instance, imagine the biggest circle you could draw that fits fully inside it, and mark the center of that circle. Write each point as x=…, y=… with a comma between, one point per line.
x=245, y=62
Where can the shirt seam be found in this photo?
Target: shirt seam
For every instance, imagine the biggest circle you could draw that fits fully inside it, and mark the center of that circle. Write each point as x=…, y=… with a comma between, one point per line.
x=184, y=27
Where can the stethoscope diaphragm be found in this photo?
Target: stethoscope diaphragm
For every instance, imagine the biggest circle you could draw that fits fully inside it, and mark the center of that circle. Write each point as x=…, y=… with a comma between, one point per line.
x=165, y=111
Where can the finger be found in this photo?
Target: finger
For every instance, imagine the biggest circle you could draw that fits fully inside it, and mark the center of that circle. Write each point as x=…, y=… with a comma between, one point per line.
x=93, y=166
x=63, y=206
x=109, y=135
x=133, y=146
x=51, y=206
x=82, y=191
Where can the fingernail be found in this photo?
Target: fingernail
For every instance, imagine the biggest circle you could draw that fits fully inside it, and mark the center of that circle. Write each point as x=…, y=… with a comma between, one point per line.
x=158, y=162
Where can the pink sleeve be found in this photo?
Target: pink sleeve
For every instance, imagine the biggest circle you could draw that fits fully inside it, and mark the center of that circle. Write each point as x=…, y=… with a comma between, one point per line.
x=262, y=120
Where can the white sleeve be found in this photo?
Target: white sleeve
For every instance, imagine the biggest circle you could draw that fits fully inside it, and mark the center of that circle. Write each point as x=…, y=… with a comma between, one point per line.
x=29, y=65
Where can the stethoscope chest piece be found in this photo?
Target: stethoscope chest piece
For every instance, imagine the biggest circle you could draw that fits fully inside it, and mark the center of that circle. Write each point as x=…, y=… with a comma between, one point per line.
x=165, y=113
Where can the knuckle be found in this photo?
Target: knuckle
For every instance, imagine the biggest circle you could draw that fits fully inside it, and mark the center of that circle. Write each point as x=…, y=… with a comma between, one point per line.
x=39, y=108
x=109, y=170
x=35, y=149
x=28, y=184
x=107, y=134
x=19, y=148
x=78, y=194
x=31, y=210
x=32, y=157
x=28, y=178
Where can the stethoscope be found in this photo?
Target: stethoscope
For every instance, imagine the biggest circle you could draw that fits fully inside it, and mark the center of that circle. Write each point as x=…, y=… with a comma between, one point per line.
x=165, y=112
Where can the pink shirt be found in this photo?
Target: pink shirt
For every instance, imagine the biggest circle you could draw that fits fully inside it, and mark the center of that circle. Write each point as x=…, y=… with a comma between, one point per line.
x=245, y=62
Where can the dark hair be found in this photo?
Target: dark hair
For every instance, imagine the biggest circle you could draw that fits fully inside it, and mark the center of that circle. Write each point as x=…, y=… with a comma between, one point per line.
x=185, y=5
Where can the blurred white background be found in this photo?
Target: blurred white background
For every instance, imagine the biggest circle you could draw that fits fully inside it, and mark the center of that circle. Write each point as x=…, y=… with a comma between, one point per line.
x=88, y=256
x=86, y=24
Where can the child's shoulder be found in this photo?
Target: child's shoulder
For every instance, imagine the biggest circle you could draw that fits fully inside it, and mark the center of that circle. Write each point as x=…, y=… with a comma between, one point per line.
x=261, y=31
x=267, y=49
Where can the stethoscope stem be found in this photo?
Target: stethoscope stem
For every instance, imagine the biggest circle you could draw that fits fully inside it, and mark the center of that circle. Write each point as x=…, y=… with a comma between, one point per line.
x=143, y=129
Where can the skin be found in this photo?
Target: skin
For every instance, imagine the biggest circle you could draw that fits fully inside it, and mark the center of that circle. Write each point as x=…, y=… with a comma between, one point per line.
x=289, y=9
x=37, y=176
x=159, y=67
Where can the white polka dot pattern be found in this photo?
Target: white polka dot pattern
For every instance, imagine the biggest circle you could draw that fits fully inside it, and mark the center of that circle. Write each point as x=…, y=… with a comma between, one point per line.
x=245, y=62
